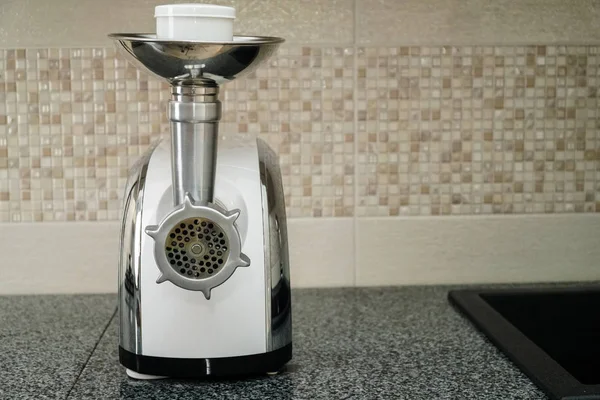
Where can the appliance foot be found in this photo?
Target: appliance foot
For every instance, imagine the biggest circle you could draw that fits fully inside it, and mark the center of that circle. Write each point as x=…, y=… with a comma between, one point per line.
x=142, y=377
x=273, y=373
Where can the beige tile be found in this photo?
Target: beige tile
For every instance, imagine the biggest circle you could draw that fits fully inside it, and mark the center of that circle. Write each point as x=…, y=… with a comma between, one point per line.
x=71, y=23
x=477, y=22
x=89, y=251
x=306, y=22
x=87, y=261
x=390, y=251
x=487, y=249
x=321, y=252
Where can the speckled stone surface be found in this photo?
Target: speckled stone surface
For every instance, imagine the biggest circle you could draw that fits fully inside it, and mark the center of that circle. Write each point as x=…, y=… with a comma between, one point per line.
x=46, y=340
x=375, y=343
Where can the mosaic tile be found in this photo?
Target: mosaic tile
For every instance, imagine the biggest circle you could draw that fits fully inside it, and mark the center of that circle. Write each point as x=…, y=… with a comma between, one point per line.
x=439, y=130
x=478, y=130
x=72, y=121
x=303, y=106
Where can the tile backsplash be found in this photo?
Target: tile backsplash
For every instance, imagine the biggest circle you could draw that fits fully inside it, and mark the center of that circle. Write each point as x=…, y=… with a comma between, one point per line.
x=360, y=131
x=73, y=120
x=369, y=119
x=471, y=130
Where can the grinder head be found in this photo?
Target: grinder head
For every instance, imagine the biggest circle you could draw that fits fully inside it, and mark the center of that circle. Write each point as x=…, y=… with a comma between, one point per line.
x=195, y=63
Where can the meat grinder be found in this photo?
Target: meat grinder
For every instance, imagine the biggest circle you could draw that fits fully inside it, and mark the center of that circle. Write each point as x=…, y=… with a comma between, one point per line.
x=204, y=282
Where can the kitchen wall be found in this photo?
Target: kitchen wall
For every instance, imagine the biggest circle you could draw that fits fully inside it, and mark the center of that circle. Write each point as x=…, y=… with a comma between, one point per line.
x=420, y=141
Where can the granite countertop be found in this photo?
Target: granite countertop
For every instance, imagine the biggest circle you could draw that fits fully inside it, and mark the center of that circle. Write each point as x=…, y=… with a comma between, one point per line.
x=359, y=343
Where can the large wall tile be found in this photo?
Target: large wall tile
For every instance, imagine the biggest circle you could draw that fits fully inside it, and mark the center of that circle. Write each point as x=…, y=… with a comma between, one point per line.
x=73, y=23
x=63, y=260
x=477, y=22
x=82, y=257
x=322, y=252
x=475, y=250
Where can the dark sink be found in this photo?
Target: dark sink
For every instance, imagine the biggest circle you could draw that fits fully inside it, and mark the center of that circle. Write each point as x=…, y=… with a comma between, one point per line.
x=553, y=335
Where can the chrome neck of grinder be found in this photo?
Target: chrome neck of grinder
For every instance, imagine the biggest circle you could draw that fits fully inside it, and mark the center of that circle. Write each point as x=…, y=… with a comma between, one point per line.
x=194, y=113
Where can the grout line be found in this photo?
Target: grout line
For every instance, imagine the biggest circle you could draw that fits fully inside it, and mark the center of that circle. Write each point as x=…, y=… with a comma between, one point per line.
x=355, y=117
x=372, y=44
x=354, y=43
x=355, y=21
x=482, y=217
x=111, y=46
x=91, y=353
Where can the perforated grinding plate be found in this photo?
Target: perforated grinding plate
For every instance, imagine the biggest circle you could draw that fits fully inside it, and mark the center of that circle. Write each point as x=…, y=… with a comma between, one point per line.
x=197, y=248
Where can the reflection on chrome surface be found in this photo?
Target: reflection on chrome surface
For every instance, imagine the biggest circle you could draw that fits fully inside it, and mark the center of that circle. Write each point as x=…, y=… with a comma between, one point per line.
x=130, y=335
x=279, y=322
x=195, y=63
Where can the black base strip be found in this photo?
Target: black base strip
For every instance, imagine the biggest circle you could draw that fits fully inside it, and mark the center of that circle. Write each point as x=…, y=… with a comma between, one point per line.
x=253, y=364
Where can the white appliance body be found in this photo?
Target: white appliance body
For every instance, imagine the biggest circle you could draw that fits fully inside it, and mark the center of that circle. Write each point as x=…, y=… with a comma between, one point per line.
x=166, y=321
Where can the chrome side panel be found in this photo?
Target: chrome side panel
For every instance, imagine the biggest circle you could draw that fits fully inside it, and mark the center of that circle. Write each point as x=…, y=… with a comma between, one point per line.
x=130, y=335
x=279, y=313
